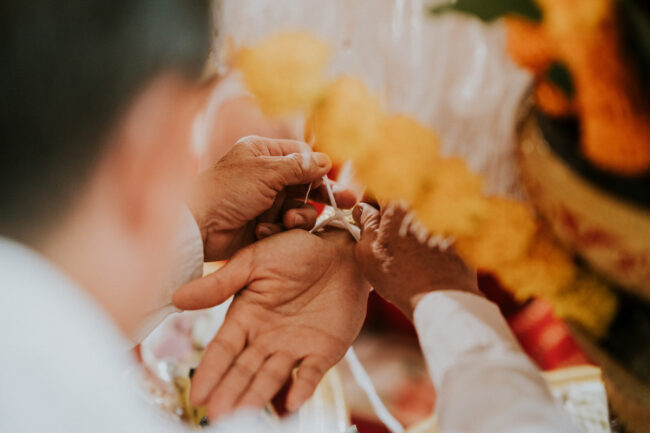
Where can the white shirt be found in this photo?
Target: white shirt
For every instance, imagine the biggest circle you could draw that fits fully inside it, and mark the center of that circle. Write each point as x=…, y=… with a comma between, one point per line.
x=63, y=361
x=485, y=383
x=65, y=367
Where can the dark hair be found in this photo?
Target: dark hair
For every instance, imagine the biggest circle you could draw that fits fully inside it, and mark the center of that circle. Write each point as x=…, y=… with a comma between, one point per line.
x=69, y=70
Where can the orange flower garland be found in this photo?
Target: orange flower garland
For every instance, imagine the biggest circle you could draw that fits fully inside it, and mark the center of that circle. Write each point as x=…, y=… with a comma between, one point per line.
x=584, y=35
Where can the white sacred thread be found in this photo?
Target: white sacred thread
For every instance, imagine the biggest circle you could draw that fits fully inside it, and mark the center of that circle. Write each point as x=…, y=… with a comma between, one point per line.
x=340, y=219
x=362, y=378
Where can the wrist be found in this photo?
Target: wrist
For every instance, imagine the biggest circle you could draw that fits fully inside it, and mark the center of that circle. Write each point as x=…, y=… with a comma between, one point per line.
x=415, y=300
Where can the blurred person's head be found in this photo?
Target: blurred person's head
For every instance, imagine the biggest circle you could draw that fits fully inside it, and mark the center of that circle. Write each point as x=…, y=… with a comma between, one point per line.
x=97, y=102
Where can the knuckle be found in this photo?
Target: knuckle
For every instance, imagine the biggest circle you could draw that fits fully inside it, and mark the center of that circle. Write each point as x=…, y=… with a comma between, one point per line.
x=277, y=375
x=269, y=175
x=294, y=166
x=241, y=369
x=257, y=351
x=311, y=373
x=254, y=398
x=249, y=140
x=225, y=347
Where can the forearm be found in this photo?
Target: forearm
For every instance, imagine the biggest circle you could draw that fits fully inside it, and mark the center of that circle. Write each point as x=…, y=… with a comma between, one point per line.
x=485, y=383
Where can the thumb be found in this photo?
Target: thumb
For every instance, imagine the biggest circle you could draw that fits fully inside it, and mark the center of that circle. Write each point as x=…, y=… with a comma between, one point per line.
x=299, y=168
x=217, y=287
x=367, y=218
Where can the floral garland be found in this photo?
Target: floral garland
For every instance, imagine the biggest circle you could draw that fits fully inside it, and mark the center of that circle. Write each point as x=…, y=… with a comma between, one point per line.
x=397, y=158
x=588, y=58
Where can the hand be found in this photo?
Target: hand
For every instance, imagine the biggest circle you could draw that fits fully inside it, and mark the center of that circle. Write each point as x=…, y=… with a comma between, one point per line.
x=303, y=305
x=402, y=262
x=254, y=189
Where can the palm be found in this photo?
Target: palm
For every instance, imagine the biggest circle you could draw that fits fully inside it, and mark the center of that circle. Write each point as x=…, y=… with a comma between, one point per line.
x=303, y=306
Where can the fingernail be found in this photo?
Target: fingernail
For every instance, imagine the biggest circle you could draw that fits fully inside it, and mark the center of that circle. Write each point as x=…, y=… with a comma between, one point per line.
x=294, y=404
x=356, y=212
x=291, y=406
x=299, y=220
x=321, y=159
x=264, y=231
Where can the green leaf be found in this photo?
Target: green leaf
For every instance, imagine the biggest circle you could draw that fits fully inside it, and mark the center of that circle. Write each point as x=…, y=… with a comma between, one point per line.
x=489, y=10
x=561, y=77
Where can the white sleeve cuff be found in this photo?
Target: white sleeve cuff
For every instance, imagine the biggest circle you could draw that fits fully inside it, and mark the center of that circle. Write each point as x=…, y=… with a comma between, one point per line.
x=453, y=325
x=189, y=247
x=187, y=266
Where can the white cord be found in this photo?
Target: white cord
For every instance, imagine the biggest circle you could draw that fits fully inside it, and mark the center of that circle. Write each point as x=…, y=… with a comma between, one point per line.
x=340, y=219
x=362, y=378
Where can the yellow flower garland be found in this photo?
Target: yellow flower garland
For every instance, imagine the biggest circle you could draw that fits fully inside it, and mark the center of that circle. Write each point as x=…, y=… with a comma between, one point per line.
x=398, y=159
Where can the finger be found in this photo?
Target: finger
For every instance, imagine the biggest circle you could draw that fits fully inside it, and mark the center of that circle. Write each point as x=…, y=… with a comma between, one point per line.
x=396, y=218
x=298, y=168
x=345, y=198
x=368, y=219
x=392, y=213
x=310, y=373
x=274, y=146
x=217, y=287
x=303, y=216
x=218, y=356
x=266, y=230
x=272, y=214
x=236, y=380
x=269, y=380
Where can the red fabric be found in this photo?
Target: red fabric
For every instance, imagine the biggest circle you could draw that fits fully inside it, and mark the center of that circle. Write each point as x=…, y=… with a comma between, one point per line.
x=385, y=317
x=365, y=426
x=545, y=338
x=492, y=290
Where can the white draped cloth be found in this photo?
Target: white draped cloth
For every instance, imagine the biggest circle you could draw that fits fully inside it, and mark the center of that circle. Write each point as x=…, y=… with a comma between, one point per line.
x=451, y=72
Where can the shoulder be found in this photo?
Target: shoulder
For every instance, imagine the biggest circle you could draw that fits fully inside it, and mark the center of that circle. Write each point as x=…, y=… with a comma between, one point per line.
x=63, y=363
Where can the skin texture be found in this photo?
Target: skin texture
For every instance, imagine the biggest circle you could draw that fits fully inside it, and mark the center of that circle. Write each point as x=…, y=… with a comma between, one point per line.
x=304, y=305
x=256, y=190
x=401, y=268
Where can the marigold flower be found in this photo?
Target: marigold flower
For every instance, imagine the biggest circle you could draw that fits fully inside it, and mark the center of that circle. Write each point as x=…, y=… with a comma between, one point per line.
x=402, y=164
x=454, y=204
x=589, y=302
x=503, y=237
x=346, y=121
x=544, y=271
x=285, y=71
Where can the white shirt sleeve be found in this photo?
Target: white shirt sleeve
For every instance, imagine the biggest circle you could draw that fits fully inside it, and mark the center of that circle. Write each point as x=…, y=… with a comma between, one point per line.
x=189, y=254
x=186, y=266
x=484, y=381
